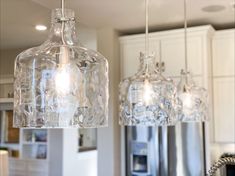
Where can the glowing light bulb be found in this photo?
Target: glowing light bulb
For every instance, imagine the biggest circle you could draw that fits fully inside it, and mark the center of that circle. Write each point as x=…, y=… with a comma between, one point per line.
x=187, y=100
x=62, y=81
x=148, y=92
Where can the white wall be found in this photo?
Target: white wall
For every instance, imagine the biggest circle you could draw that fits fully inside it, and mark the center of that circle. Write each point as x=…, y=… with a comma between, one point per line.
x=7, y=58
x=55, y=152
x=109, y=140
x=87, y=36
x=74, y=163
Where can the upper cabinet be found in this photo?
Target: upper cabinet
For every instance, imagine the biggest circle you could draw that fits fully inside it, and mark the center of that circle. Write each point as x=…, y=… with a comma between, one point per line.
x=223, y=53
x=172, y=49
x=169, y=46
x=131, y=46
x=223, y=83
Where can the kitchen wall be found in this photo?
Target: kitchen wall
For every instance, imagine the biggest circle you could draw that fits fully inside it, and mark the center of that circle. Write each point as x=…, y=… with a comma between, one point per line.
x=7, y=58
x=109, y=139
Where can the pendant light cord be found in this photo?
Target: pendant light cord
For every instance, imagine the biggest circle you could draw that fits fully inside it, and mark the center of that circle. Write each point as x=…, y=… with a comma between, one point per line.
x=63, y=21
x=62, y=7
x=185, y=36
x=160, y=57
x=146, y=36
x=147, y=28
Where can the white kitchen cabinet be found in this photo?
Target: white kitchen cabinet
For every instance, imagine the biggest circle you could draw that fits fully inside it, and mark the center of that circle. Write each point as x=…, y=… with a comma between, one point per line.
x=223, y=83
x=224, y=53
x=135, y=44
x=173, y=52
x=23, y=167
x=170, y=45
x=224, y=110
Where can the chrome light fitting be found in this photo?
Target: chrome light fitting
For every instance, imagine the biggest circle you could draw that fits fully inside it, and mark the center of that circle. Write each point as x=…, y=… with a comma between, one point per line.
x=147, y=98
x=61, y=83
x=194, y=98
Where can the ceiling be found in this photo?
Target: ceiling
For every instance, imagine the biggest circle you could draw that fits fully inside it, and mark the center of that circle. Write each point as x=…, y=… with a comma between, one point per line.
x=18, y=17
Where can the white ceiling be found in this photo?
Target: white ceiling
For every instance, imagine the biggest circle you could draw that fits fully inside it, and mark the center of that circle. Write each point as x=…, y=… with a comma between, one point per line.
x=18, y=17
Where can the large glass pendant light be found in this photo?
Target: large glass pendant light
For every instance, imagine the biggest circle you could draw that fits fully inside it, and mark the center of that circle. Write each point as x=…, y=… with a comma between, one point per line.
x=147, y=98
x=61, y=83
x=194, y=98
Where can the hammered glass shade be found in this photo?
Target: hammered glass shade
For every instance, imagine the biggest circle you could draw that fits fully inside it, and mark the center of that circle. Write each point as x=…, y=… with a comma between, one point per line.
x=194, y=100
x=147, y=98
x=61, y=83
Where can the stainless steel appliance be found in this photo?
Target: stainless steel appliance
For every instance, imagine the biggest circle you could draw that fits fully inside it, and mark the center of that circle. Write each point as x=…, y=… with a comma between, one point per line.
x=166, y=151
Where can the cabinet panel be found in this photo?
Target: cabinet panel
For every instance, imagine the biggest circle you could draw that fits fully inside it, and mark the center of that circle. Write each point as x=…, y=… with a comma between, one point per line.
x=224, y=110
x=223, y=53
x=38, y=166
x=172, y=50
x=17, y=165
x=130, y=52
x=198, y=80
x=17, y=173
x=37, y=174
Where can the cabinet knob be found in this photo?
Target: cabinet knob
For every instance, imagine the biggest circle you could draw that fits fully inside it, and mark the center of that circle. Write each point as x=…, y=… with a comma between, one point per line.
x=160, y=66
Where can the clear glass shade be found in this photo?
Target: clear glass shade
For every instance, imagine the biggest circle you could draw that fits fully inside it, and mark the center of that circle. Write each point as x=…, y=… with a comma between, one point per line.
x=147, y=98
x=61, y=83
x=194, y=100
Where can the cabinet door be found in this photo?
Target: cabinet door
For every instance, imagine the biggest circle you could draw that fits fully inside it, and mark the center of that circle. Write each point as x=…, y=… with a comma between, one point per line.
x=223, y=53
x=17, y=167
x=224, y=122
x=198, y=80
x=37, y=174
x=172, y=51
x=38, y=166
x=130, y=52
x=17, y=173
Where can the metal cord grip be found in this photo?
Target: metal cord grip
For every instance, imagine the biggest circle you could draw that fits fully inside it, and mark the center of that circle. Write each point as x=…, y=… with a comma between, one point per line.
x=160, y=66
x=63, y=16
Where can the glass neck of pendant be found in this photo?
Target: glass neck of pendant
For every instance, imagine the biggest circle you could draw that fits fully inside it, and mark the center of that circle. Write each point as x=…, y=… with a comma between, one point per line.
x=63, y=28
x=186, y=78
x=147, y=64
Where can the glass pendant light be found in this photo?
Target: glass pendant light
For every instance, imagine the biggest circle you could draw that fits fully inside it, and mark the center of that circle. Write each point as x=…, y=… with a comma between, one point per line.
x=194, y=98
x=61, y=83
x=147, y=98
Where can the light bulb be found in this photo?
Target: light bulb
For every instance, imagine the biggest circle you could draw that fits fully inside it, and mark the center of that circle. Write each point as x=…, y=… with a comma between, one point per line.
x=187, y=101
x=148, y=92
x=62, y=81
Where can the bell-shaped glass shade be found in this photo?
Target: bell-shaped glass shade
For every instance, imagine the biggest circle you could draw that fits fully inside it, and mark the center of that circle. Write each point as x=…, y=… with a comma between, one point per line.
x=147, y=98
x=194, y=100
x=61, y=83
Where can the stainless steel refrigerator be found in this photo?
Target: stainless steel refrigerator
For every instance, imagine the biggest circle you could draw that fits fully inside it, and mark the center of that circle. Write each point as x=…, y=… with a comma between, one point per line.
x=166, y=151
